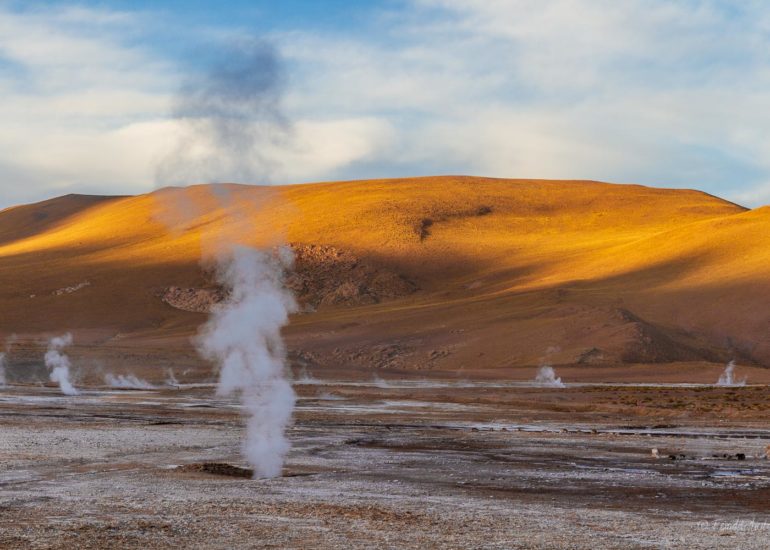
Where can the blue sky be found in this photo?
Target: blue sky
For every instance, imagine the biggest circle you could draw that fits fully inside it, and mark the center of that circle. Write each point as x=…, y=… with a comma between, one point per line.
x=655, y=92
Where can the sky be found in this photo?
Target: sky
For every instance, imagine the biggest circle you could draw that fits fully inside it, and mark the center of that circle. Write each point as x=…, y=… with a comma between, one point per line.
x=124, y=97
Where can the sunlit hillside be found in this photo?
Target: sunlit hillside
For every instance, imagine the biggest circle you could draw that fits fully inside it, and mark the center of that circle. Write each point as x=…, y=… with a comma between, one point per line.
x=492, y=274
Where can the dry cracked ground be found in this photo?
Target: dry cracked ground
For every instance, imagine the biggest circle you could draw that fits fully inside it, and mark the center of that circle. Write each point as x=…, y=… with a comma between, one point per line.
x=431, y=464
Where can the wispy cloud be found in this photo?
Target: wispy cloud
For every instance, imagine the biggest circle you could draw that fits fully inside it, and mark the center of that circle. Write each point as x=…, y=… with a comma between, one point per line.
x=652, y=92
x=83, y=109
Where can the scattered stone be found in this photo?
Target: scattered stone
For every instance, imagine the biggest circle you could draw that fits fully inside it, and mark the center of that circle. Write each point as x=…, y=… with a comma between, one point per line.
x=322, y=276
x=71, y=289
x=217, y=468
x=197, y=300
x=679, y=456
x=325, y=275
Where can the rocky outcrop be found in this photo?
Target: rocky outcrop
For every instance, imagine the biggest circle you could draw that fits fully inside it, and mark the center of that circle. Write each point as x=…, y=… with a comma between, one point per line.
x=326, y=276
x=321, y=276
x=198, y=300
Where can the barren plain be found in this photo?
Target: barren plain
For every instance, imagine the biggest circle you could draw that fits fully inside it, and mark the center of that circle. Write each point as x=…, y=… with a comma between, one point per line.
x=386, y=464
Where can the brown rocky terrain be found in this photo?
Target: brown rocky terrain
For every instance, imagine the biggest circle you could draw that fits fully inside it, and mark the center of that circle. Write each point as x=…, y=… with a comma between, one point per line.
x=320, y=276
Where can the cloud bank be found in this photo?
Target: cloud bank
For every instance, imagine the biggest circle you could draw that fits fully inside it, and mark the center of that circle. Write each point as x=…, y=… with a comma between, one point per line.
x=659, y=93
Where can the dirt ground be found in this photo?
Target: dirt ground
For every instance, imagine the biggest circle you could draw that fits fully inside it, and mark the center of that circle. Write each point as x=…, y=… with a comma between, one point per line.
x=385, y=464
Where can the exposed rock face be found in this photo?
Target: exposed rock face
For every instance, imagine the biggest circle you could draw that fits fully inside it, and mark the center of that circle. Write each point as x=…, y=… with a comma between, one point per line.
x=322, y=276
x=198, y=300
x=325, y=275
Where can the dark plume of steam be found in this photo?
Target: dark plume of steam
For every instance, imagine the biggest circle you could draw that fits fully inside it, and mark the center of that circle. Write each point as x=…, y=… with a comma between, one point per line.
x=230, y=119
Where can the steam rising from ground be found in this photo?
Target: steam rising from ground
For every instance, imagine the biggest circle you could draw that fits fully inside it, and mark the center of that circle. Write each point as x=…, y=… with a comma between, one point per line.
x=59, y=364
x=546, y=376
x=305, y=377
x=380, y=383
x=230, y=119
x=127, y=382
x=4, y=359
x=243, y=336
x=231, y=127
x=171, y=379
x=727, y=378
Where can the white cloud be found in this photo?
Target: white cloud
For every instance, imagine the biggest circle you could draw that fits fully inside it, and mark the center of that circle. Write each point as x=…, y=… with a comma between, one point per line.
x=320, y=149
x=80, y=109
x=652, y=92
x=754, y=195
x=84, y=110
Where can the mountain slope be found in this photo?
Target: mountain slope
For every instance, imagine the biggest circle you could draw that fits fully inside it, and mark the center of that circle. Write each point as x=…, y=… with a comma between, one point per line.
x=444, y=273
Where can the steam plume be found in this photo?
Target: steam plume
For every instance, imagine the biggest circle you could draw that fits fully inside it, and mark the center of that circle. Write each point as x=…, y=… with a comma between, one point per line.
x=727, y=378
x=546, y=376
x=305, y=377
x=231, y=125
x=4, y=359
x=59, y=364
x=127, y=382
x=380, y=383
x=171, y=379
x=243, y=336
x=230, y=119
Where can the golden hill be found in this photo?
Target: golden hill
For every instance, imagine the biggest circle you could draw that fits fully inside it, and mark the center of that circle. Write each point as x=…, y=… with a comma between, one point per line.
x=440, y=273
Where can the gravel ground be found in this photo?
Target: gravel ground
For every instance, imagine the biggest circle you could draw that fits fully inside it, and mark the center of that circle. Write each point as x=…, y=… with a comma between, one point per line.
x=374, y=467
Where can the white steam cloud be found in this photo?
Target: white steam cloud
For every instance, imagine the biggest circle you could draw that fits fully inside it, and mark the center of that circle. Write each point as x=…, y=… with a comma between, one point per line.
x=171, y=379
x=243, y=336
x=728, y=378
x=59, y=364
x=380, y=382
x=231, y=124
x=4, y=359
x=546, y=376
x=126, y=382
x=306, y=378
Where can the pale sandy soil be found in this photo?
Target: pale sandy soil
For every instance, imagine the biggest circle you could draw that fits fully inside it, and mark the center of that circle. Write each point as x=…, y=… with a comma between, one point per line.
x=389, y=466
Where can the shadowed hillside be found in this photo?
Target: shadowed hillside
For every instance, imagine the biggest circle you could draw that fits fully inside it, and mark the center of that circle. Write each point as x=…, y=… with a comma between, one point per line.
x=442, y=273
